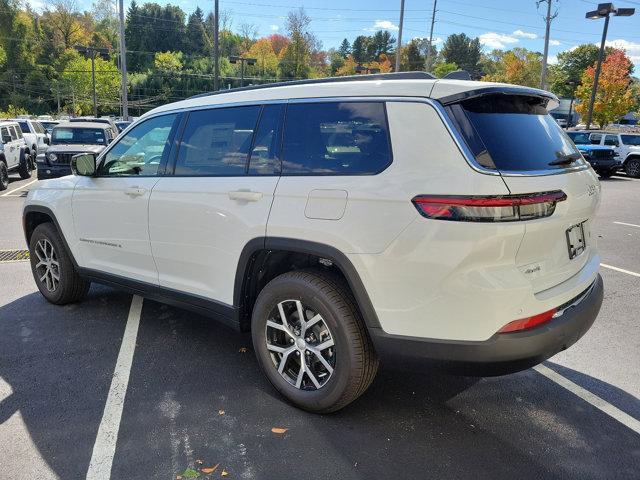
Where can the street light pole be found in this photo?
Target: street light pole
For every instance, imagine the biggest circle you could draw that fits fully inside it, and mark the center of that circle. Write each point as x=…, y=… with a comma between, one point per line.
x=242, y=61
x=399, y=49
x=93, y=82
x=427, y=62
x=605, y=10
x=596, y=76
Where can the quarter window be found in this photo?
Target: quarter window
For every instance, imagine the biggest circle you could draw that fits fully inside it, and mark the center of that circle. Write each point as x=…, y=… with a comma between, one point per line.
x=264, y=153
x=338, y=138
x=141, y=151
x=217, y=141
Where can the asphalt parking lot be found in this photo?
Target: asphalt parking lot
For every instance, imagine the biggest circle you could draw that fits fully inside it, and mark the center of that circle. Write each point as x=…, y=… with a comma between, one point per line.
x=196, y=399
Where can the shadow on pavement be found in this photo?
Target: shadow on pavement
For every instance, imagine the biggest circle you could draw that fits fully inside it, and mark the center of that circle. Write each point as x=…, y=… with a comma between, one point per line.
x=195, y=393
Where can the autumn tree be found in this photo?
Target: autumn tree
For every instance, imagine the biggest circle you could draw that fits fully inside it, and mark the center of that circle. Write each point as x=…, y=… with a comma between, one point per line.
x=518, y=66
x=294, y=59
x=567, y=73
x=614, y=97
x=266, y=59
x=278, y=42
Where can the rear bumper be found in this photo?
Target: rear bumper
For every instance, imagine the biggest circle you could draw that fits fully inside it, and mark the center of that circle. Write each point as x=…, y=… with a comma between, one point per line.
x=502, y=353
x=52, y=171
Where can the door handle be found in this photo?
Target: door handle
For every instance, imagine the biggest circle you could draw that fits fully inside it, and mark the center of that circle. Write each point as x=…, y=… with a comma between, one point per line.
x=135, y=191
x=245, y=195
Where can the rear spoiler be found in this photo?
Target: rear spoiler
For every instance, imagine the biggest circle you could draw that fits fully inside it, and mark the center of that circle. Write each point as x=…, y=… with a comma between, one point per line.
x=550, y=100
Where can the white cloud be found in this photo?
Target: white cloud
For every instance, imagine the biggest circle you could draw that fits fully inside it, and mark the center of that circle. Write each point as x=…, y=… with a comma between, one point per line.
x=496, y=40
x=521, y=34
x=437, y=40
x=554, y=42
x=632, y=49
x=552, y=59
x=383, y=25
x=274, y=28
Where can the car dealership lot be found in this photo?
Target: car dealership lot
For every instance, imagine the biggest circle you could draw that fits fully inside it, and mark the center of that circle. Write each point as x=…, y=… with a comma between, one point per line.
x=194, y=392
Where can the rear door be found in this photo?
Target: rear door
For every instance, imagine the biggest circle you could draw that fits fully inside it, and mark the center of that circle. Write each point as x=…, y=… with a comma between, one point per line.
x=217, y=200
x=516, y=136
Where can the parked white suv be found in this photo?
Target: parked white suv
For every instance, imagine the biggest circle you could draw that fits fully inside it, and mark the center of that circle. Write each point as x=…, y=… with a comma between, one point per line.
x=14, y=153
x=35, y=135
x=341, y=221
x=626, y=145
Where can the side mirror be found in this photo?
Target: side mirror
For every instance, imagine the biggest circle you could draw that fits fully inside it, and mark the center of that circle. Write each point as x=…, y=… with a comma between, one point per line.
x=47, y=141
x=84, y=164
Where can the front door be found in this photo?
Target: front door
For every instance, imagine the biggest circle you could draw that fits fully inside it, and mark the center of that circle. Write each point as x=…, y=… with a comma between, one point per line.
x=201, y=218
x=11, y=150
x=111, y=210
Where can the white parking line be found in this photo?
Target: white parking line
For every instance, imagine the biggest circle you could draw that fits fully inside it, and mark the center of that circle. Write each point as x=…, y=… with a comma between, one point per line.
x=627, y=224
x=105, y=447
x=617, y=269
x=587, y=396
x=6, y=194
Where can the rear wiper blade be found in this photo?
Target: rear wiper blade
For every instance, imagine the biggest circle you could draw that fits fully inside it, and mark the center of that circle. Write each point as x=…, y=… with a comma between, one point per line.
x=565, y=159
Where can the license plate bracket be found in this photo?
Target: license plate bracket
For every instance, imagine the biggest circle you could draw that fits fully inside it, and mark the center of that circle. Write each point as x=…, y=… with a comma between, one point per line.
x=576, y=243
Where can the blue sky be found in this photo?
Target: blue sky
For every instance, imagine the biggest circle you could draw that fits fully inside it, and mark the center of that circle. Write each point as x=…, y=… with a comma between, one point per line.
x=498, y=23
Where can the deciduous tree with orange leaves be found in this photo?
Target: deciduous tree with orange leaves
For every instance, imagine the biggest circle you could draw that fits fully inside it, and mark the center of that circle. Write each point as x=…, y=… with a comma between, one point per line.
x=614, y=97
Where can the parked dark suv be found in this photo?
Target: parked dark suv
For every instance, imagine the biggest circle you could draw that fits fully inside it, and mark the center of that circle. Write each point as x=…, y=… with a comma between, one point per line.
x=68, y=139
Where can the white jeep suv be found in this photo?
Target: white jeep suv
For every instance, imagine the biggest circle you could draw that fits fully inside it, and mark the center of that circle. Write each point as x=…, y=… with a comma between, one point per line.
x=341, y=221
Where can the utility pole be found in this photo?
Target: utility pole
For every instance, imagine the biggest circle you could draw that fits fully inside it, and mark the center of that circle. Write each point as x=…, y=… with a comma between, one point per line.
x=548, y=19
x=427, y=62
x=398, y=49
x=123, y=62
x=216, y=49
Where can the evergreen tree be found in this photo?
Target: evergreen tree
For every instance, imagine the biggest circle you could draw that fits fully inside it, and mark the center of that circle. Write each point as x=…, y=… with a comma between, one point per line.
x=198, y=41
x=464, y=52
x=345, y=48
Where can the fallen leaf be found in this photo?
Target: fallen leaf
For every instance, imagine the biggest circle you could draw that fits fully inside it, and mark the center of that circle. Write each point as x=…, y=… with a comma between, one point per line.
x=220, y=412
x=224, y=473
x=279, y=430
x=190, y=473
x=208, y=470
x=199, y=462
x=243, y=350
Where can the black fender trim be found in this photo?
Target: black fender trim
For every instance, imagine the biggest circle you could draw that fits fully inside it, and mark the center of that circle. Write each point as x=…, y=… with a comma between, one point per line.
x=338, y=258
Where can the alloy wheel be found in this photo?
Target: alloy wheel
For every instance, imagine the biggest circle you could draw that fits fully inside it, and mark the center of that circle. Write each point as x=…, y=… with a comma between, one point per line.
x=301, y=345
x=48, y=267
x=633, y=169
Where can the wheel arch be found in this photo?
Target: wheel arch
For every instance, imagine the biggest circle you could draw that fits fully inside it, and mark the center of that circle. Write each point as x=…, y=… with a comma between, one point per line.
x=631, y=156
x=34, y=215
x=264, y=258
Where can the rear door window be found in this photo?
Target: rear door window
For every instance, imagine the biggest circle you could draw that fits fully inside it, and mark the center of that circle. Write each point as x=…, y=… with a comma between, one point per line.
x=14, y=134
x=633, y=140
x=337, y=138
x=513, y=133
x=217, y=141
x=264, y=158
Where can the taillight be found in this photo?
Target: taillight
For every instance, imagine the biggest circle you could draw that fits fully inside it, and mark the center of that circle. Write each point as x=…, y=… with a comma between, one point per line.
x=504, y=208
x=529, y=322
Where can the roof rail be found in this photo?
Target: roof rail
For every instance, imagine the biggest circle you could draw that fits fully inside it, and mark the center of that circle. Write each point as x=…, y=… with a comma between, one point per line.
x=349, y=78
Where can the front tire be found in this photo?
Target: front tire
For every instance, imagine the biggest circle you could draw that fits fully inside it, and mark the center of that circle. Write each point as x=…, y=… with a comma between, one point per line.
x=52, y=268
x=605, y=174
x=327, y=360
x=632, y=168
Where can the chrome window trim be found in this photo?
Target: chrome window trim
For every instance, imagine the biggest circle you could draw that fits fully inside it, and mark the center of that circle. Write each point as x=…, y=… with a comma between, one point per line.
x=439, y=108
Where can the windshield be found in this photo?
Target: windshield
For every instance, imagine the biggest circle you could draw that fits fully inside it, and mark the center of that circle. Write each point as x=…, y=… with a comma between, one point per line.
x=66, y=135
x=630, y=139
x=514, y=133
x=579, y=138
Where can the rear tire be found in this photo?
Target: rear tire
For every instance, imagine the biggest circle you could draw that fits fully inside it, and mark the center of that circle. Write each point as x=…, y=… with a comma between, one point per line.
x=334, y=330
x=633, y=168
x=52, y=268
x=24, y=169
x=4, y=176
x=605, y=174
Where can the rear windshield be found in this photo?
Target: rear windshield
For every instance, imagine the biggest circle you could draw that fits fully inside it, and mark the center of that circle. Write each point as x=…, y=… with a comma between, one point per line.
x=91, y=136
x=514, y=133
x=630, y=139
